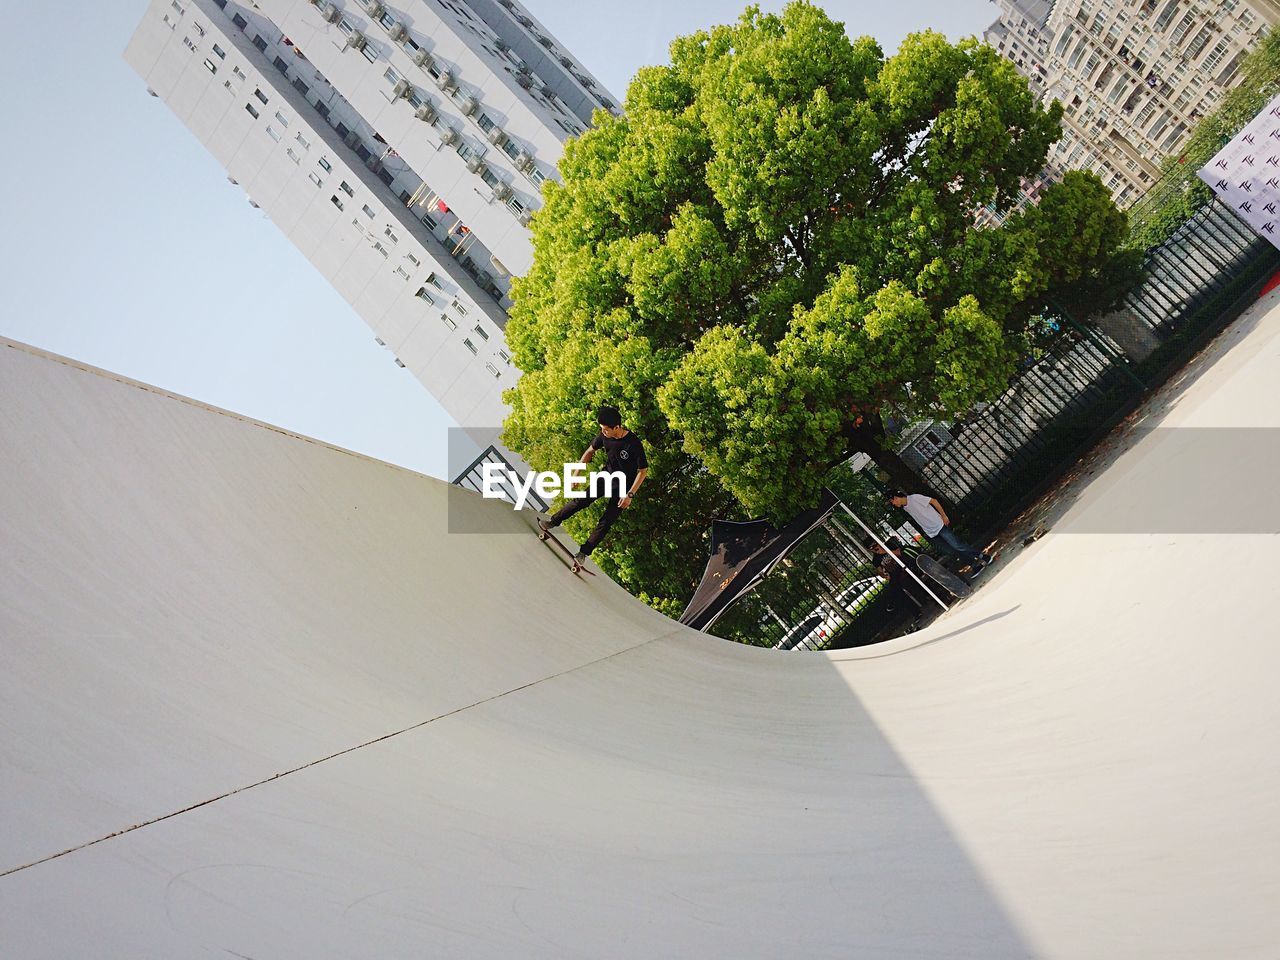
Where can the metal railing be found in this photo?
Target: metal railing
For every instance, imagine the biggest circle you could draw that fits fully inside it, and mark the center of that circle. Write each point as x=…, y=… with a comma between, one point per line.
x=472, y=478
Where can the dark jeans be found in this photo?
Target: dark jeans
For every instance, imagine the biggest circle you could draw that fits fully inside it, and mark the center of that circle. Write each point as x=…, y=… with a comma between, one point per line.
x=611, y=512
x=947, y=541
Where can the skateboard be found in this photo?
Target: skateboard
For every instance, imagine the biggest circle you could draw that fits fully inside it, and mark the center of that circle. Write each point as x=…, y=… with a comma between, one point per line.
x=940, y=575
x=547, y=536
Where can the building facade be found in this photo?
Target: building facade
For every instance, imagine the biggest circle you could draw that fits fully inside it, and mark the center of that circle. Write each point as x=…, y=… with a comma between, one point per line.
x=1133, y=76
x=401, y=149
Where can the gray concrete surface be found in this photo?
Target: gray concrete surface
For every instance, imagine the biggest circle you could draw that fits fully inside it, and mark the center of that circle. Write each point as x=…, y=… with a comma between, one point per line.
x=257, y=702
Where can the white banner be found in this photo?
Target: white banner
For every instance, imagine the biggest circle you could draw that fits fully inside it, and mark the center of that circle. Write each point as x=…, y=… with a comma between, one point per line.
x=1245, y=174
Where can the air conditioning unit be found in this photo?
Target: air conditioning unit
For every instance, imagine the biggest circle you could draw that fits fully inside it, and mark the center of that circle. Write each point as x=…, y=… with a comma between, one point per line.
x=524, y=68
x=508, y=4
x=525, y=217
x=475, y=164
x=357, y=40
x=422, y=58
x=426, y=112
x=523, y=20
x=446, y=81
x=402, y=89
x=501, y=44
x=606, y=103
x=502, y=190
x=524, y=80
x=331, y=13
x=398, y=32
x=566, y=63
x=448, y=136
x=376, y=10
x=547, y=91
x=317, y=3
x=524, y=161
x=469, y=106
x=497, y=136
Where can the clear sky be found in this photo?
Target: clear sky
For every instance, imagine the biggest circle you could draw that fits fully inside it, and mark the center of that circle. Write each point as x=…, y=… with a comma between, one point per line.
x=127, y=248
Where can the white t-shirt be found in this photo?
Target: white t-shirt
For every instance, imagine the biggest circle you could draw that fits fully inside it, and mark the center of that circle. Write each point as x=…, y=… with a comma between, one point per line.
x=923, y=513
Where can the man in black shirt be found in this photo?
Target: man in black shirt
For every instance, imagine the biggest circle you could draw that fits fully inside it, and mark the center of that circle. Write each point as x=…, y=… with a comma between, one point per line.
x=625, y=453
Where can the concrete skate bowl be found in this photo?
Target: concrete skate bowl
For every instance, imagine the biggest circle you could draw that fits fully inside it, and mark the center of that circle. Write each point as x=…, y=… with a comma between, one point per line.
x=259, y=702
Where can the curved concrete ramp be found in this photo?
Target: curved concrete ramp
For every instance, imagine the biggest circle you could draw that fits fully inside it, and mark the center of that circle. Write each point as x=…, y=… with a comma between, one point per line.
x=258, y=702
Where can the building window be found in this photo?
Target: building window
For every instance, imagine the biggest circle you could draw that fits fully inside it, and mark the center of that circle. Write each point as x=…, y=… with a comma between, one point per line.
x=322, y=109
x=346, y=188
x=537, y=176
x=448, y=321
x=469, y=345
x=390, y=234
x=260, y=43
x=177, y=6
x=400, y=271
x=280, y=65
x=219, y=52
x=428, y=221
x=392, y=77
x=459, y=307
x=239, y=21
x=516, y=204
x=186, y=42
x=252, y=112
x=431, y=279
x=386, y=177
x=314, y=178
x=284, y=121
x=303, y=142
x=492, y=369
x=239, y=74
x=370, y=54
x=480, y=330
x=380, y=248
x=272, y=133
x=506, y=357
x=262, y=97
x=301, y=87
x=323, y=164
x=412, y=259
x=220, y=4
x=292, y=156
x=423, y=295
x=368, y=211
x=484, y=122
x=359, y=227
x=213, y=68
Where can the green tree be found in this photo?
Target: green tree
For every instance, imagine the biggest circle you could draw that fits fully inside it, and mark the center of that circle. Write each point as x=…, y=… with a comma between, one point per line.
x=773, y=245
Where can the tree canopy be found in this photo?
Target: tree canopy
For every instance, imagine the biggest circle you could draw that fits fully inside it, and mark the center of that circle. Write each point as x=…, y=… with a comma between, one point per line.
x=774, y=243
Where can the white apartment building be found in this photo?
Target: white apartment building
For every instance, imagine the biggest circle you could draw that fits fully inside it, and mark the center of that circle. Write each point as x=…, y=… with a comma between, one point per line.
x=400, y=147
x=1133, y=76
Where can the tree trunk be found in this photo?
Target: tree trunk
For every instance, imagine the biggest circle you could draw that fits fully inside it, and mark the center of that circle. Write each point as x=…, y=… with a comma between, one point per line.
x=868, y=437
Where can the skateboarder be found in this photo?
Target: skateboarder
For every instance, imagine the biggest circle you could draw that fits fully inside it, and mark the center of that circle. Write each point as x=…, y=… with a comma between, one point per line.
x=934, y=523
x=623, y=452
x=900, y=593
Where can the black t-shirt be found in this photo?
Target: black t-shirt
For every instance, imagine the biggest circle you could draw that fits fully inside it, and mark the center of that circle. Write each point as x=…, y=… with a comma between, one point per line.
x=625, y=454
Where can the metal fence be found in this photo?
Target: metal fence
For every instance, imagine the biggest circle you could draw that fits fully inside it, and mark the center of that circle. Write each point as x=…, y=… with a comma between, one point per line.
x=1064, y=400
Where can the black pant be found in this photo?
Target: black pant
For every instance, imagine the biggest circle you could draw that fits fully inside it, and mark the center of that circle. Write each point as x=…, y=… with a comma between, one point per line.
x=611, y=512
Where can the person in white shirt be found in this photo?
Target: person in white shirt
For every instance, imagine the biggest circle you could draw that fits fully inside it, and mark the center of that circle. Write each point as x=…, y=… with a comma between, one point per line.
x=934, y=523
